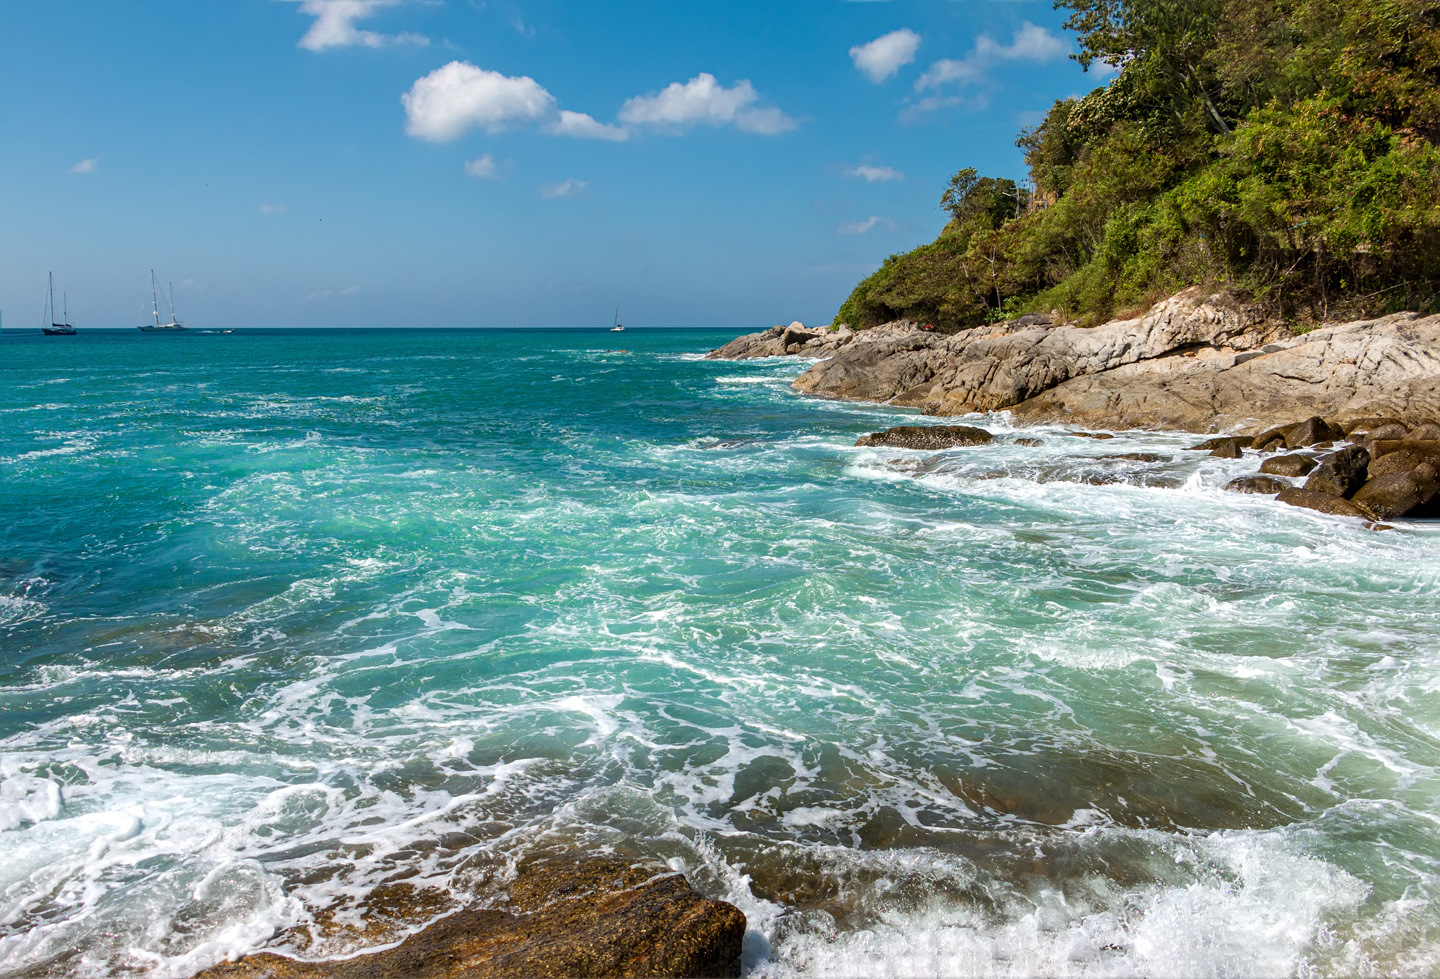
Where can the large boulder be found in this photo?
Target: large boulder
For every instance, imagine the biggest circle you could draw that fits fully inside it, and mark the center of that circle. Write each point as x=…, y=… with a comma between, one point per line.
x=1396, y=494
x=1340, y=473
x=926, y=437
x=597, y=917
x=1259, y=485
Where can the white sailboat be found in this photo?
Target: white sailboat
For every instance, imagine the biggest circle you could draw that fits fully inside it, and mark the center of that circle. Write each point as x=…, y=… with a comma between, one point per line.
x=617, y=328
x=174, y=324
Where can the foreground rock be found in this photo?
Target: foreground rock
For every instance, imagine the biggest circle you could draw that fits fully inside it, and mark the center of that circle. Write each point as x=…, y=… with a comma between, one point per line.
x=1196, y=362
x=599, y=917
x=926, y=437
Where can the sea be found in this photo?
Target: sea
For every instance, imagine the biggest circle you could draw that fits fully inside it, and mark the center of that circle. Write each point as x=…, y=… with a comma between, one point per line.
x=309, y=637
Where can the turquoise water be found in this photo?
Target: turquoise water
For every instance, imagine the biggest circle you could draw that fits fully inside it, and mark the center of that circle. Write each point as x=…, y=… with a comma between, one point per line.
x=287, y=616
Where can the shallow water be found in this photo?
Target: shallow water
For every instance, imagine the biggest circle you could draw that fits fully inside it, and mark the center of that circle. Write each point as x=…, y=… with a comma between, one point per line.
x=287, y=616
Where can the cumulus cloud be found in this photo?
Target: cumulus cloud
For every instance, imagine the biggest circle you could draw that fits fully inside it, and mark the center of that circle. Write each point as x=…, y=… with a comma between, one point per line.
x=1030, y=43
x=704, y=101
x=441, y=106
x=568, y=188
x=86, y=166
x=885, y=55
x=875, y=175
x=483, y=167
x=335, y=25
x=861, y=227
x=582, y=126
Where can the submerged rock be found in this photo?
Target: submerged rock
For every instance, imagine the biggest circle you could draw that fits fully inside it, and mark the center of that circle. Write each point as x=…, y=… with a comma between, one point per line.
x=591, y=917
x=1260, y=485
x=926, y=437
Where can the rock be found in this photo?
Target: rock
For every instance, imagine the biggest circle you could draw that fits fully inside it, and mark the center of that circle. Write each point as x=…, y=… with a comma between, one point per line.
x=1323, y=502
x=1226, y=450
x=1390, y=430
x=596, y=917
x=1100, y=436
x=1138, y=457
x=1363, y=426
x=1266, y=485
x=1340, y=473
x=1393, y=495
x=1224, y=441
x=926, y=437
x=1428, y=432
x=1310, y=432
x=1291, y=465
x=1029, y=442
x=1400, y=461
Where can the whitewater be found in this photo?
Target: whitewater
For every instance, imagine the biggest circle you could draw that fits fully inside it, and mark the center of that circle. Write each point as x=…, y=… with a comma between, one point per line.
x=290, y=617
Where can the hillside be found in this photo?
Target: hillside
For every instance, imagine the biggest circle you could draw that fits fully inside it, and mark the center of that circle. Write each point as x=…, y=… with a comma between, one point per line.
x=1282, y=149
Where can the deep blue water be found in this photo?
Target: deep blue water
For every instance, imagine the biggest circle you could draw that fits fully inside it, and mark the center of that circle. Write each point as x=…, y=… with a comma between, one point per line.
x=288, y=615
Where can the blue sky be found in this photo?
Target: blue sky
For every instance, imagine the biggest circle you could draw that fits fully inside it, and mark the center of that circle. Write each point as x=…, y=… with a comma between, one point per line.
x=496, y=163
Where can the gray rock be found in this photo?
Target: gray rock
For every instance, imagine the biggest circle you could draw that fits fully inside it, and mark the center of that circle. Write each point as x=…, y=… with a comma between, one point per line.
x=926, y=437
x=1291, y=465
x=1340, y=473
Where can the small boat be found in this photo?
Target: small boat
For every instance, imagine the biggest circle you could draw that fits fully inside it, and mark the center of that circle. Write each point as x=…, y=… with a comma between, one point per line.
x=617, y=328
x=174, y=325
x=63, y=328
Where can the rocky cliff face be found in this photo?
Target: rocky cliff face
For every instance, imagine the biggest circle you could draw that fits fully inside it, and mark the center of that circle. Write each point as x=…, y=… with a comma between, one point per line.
x=1196, y=362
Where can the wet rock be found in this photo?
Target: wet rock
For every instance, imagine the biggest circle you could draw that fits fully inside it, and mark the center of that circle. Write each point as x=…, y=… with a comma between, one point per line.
x=1323, y=502
x=595, y=917
x=1227, y=450
x=1311, y=431
x=1029, y=442
x=1099, y=436
x=1259, y=485
x=1340, y=473
x=1224, y=441
x=1397, y=494
x=926, y=437
x=1291, y=465
x=1138, y=457
x=1400, y=461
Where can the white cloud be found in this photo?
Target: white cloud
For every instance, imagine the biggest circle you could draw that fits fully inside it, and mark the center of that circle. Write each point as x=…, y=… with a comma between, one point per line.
x=884, y=56
x=861, y=227
x=875, y=175
x=582, y=126
x=350, y=291
x=1030, y=43
x=703, y=100
x=568, y=188
x=334, y=25
x=483, y=167
x=86, y=166
x=442, y=105
x=272, y=208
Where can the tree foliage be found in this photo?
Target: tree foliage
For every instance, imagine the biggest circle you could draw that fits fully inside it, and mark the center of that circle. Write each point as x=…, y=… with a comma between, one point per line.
x=1285, y=147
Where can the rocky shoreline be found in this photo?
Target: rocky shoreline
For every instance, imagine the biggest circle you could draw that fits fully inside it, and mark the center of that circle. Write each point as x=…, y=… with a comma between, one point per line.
x=1367, y=391
x=567, y=916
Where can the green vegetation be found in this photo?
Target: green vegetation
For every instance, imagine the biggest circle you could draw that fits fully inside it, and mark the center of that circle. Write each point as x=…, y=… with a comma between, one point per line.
x=1283, y=148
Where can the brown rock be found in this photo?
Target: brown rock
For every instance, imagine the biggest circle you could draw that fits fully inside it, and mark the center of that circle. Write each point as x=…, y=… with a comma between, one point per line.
x=1312, y=430
x=1390, y=430
x=597, y=917
x=1260, y=485
x=1227, y=450
x=1428, y=432
x=1323, y=502
x=1224, y=441
x=926, y=437
x=1291, y=465
x=1340, y=473
x=1397, y=494
x=1029, y=442
x=1099, y=436
x=1364, y=426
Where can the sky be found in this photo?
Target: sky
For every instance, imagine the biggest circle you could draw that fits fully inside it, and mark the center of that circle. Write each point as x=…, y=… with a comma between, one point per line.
x=493, y=163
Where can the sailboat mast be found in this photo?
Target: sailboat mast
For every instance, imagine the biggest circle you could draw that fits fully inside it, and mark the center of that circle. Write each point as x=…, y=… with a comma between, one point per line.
x=154, y=298
x=617, y=314
x=172, y=304
x=51, y=317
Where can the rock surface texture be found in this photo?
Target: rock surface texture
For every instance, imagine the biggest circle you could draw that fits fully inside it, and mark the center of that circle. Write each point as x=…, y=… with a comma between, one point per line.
x=1197, y=362
x=597, y=917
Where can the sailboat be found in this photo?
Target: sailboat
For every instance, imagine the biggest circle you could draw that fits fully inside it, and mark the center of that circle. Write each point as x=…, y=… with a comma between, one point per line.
x=174, y=324
x=63, y=328
x=617, y=328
